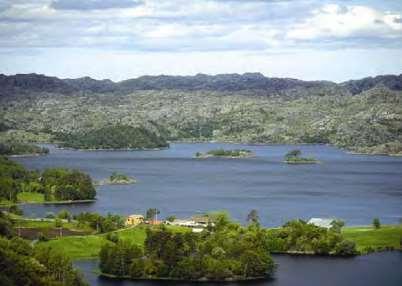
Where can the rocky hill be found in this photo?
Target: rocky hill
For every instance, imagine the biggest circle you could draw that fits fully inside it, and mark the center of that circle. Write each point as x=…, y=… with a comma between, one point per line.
x=362, y=116
x=249, y=82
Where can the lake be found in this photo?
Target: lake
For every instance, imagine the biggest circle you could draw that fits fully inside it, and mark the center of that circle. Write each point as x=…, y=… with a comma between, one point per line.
x=368, y=270
x=355, y=188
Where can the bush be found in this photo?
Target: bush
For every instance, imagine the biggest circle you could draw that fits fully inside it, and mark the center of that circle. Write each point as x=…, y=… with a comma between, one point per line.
x=345, y=248
x=58, y=222
x=376, y=223
x=42, y=237
x=112, y=236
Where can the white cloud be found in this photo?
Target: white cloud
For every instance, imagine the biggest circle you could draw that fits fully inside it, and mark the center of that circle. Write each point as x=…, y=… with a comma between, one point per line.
x=208, y=36
x=338, y=21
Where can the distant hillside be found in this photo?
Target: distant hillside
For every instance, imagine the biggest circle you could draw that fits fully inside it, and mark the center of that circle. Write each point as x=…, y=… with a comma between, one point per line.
x=393, y=82
x=25, y=83
x=361, y=116
x=253, y=83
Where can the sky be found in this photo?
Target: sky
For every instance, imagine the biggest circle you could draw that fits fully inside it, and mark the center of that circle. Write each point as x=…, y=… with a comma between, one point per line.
x=120, y=39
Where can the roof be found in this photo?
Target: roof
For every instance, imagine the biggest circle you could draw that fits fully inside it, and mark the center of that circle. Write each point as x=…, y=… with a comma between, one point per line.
x=321, y=222
x=200, y=218
x=136, y=216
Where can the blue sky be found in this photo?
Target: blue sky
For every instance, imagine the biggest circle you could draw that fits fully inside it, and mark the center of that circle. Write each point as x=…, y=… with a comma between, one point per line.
x=120, y=39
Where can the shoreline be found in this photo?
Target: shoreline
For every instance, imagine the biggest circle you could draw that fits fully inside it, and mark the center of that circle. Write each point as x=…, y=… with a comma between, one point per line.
x=27, y=155
x=111, y=149
x=302, y=162
x=348, y=151
x=224, y=157
x=69, y=202
x=204, y=279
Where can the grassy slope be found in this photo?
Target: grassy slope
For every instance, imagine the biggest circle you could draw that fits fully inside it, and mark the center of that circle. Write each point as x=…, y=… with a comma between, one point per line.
x=25, y=197
x=30, y=197
x=385, y=237
x=51, y=224
x=78, y=247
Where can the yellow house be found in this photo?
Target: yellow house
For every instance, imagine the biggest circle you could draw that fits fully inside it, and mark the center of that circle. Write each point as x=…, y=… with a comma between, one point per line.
x=134, y=220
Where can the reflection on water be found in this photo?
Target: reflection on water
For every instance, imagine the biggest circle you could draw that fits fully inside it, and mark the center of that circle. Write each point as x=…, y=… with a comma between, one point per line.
x=355, y=188
x=369, y=270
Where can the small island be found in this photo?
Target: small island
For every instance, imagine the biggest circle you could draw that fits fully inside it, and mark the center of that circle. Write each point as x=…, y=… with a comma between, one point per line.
x=294, y=157
x=117, y=179
x=222, y=153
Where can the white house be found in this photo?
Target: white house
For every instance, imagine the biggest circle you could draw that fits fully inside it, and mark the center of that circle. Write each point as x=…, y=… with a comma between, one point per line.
x=321, y=222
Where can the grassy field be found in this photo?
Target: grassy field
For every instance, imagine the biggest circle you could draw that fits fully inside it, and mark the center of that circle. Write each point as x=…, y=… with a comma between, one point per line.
x=73, y=225
x=88, y=246
x=369, y=239
x=30, y=197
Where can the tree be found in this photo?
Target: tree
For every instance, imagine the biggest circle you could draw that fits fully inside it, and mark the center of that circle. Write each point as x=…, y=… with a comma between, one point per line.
x=345, y=248
x=376, y=223
x=293, y=153
x=152, y=214
x=256, y=264
x=112, y=236
x=137, y=268
x=6, y=225
x=8, y=189
x=337, y=225
x=253, y=217
x=64, y=214
x=58, y=222
x=171, y=218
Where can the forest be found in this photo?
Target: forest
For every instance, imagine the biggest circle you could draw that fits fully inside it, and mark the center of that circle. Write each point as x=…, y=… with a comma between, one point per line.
x=297, y=236
x=23, y=264
x=225, y=251
x=112, y=137
x=55, y=184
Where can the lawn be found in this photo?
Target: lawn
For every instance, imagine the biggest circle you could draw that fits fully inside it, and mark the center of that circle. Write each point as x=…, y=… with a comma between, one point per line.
x=46, y=224
x=369, y=239
x=49, y=224
x=30, y=197
x=77, y=247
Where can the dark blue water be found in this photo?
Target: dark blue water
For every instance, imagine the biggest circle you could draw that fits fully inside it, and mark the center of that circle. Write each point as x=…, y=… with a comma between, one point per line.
x=370, y=270
x=354, y=188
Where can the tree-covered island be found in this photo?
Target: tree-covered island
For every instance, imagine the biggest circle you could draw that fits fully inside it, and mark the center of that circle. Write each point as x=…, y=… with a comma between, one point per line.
x=114, y=138
x=294, y=157
x=117, y=179
x=222, y=153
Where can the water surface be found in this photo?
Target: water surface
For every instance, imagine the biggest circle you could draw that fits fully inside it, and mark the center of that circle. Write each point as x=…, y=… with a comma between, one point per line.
x=368, y=270
x=355, y=188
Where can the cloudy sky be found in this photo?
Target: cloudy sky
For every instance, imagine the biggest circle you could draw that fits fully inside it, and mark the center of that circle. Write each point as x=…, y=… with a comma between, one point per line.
x=119, y=39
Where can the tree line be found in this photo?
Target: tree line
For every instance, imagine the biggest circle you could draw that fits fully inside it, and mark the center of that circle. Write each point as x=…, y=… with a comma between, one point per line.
x=18, y=148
